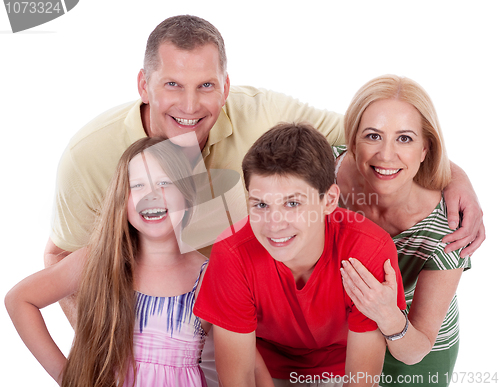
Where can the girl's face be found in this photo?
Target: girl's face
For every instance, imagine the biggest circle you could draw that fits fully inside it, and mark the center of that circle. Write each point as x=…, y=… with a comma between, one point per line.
x=155, y=205
x=390, y=145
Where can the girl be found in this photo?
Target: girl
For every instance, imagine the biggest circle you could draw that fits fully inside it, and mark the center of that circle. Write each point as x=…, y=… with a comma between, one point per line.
x=135, y=287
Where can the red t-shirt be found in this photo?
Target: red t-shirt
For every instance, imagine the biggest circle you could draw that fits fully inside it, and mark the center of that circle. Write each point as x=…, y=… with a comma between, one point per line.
x=302, y=331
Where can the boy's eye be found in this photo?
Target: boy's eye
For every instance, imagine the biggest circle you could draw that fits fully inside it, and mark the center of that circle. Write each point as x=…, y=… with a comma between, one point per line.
x=171, y=84
x=206, y=84
x=260, y=205
x=292, y=204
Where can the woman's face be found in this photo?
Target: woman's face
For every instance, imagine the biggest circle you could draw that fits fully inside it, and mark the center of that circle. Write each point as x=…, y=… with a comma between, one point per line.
x=390, y=145
x=155, y=205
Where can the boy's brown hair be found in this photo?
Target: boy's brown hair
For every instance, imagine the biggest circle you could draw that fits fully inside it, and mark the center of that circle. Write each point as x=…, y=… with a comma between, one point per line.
x=295, y=149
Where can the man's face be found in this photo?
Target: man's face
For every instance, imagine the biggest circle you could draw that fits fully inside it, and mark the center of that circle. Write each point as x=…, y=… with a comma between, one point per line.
x=185, y=93
x=287, y=217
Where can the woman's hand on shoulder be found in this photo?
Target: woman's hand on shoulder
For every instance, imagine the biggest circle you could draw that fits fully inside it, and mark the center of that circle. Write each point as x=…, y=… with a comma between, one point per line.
x=377, y=301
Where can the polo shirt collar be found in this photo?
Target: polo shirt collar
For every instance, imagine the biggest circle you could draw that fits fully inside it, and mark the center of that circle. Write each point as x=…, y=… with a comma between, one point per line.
x=133, y=122
x=221, y=130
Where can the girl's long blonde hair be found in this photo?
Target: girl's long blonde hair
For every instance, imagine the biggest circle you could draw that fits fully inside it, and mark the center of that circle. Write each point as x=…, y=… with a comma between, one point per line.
x=102, y=351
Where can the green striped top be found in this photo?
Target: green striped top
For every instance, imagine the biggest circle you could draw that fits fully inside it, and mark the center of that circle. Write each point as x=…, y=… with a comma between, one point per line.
x=421, y=248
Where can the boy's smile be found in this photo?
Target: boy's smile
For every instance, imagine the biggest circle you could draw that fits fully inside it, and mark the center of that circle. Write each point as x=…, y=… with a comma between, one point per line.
x=287, y=217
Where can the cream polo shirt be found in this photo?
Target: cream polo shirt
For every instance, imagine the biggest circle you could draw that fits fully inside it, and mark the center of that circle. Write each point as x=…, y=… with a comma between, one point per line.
x=90, y=159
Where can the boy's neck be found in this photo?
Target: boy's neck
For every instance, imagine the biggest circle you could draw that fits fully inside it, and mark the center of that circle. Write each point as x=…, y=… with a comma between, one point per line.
x=302, y=278
x=303, y=270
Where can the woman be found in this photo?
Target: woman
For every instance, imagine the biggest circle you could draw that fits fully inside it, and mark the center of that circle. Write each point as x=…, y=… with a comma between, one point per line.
x=394, y=172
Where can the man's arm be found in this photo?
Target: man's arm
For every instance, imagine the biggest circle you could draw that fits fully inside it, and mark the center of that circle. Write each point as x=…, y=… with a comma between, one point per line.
x=364, y=359
x=52, y=255
x=235, y=357
x=289, y=109
x=461, y=199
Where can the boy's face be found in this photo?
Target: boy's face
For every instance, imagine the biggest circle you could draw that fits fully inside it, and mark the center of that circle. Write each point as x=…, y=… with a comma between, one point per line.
x=287, y=217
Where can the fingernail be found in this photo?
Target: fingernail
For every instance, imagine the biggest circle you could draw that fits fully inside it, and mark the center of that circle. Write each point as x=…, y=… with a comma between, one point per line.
x=453, y=225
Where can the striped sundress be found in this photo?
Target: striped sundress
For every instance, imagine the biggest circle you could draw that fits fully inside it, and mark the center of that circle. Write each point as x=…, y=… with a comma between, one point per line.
x=168, y=341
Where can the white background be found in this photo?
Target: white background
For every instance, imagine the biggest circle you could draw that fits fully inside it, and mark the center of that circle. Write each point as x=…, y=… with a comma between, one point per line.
x=58, y=76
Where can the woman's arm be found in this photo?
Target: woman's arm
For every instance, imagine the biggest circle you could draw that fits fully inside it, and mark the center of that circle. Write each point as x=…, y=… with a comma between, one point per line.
x=461, y=199
x=364, y=358
x=24, y=301
x=378, y=302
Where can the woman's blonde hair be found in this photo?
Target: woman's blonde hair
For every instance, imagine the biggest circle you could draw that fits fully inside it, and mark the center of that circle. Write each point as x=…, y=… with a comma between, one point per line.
x=102, y=350
x=434, y=172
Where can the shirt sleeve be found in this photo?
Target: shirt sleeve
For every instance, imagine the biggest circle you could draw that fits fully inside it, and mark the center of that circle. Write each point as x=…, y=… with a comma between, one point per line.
x=74, y=213
x=434, y=247
x=382, y=251
x=338, y=150
x=440, y=260
x=226, y=297
x=289, y=109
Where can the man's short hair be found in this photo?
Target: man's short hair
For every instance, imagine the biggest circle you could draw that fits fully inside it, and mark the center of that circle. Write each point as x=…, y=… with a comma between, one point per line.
x=292, y=149
x=186, y=32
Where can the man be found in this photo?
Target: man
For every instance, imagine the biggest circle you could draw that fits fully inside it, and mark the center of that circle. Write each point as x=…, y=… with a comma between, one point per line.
x=184, y=87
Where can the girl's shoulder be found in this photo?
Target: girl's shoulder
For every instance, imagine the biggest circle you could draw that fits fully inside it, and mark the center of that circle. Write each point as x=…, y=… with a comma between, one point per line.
x=196, y=258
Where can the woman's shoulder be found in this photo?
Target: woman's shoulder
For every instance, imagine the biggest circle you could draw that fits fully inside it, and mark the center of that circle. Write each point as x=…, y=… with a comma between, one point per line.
x=424, y=239
x=338, y=150
x=435, y=222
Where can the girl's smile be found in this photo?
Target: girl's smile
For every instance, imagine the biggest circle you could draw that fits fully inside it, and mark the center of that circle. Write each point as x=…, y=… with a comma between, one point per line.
x=155, y=206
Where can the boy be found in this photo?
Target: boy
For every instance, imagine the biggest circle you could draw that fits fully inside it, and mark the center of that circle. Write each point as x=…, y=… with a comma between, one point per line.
x=276, y=283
